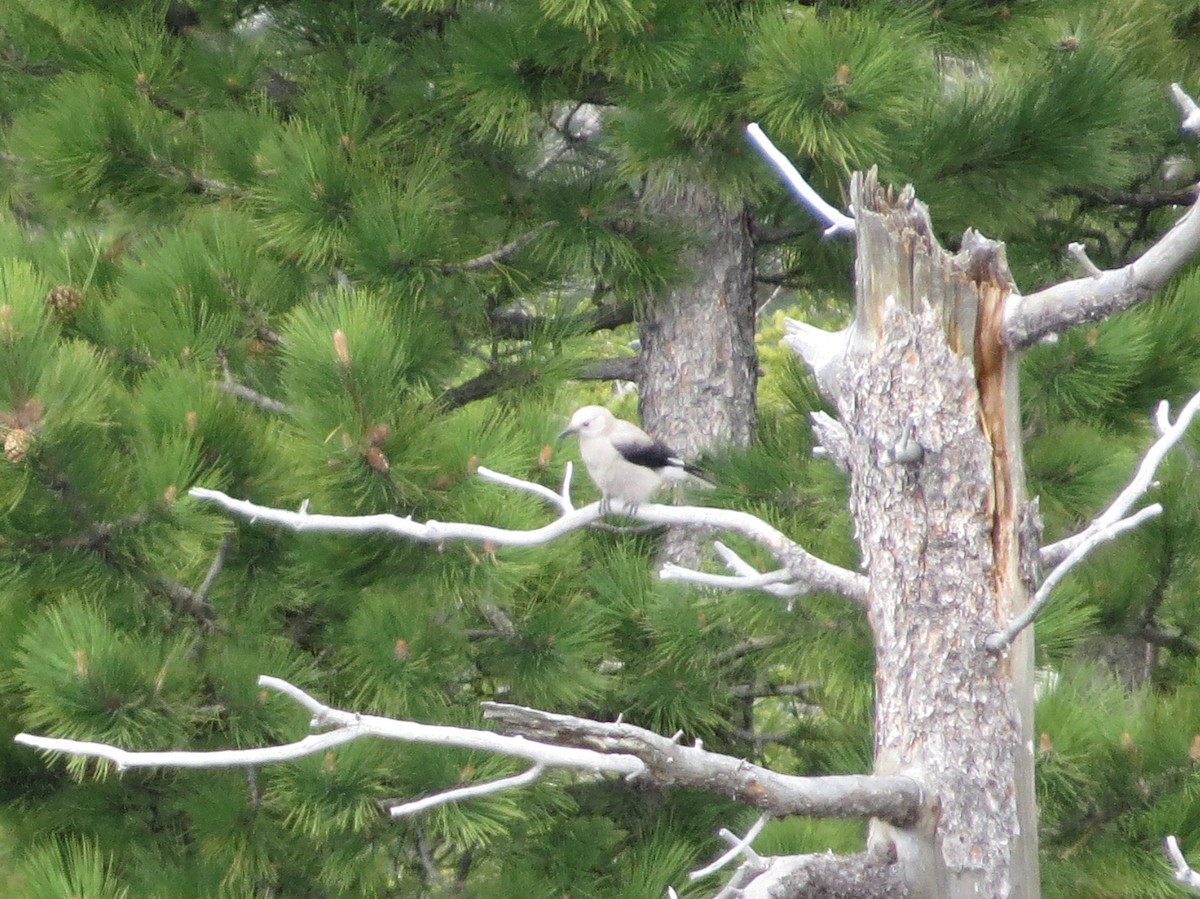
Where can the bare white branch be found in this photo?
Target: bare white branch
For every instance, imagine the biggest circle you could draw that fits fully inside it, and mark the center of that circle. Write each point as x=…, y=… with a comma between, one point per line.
x=445, y=798
x=306, y=700
x=1066, y=554
x=1183, y=871
x=812, y=573
x=740, y=566
x=819, y=349
x=427, y=532
x=672, y=572
x=1079, y=254
x=221, y=758
x=999, y=640
x=560, y=500
x=349, y=726
x=740, y=846
x=838, y=222
x=1188, y=109
x=1142, y=481
x=1052, y=310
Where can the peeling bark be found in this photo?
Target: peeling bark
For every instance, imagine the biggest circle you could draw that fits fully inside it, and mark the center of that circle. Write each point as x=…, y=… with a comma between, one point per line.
x=867, y=875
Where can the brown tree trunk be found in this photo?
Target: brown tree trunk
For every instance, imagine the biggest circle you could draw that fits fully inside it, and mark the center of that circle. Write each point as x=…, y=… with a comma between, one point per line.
x=698, y=365
x=928, y=398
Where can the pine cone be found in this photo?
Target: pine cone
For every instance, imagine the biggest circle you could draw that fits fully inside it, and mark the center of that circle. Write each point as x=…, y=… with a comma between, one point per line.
x=16, y=444
x=64, y=301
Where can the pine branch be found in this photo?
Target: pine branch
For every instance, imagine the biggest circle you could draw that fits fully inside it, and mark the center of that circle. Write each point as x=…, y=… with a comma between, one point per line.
x=497, y=379
x=1147, y=626
x=780, y=738
x=1185, y=196
x=517, y=324
x=214, y=570
x=96, y=536
x=793, y=277
x=195, y=181
x=488, y=383
x=249, y=395
x=744, y=648
x=1154, y=634
x=754, y=691
x=764, y=236
x=245, y=393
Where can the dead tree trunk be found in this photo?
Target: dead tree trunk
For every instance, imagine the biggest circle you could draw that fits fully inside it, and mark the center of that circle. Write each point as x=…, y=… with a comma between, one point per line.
x=927, y=395
x=698, y=365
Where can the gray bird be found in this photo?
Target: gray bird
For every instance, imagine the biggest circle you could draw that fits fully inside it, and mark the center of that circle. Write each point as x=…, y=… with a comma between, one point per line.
x=624, y=462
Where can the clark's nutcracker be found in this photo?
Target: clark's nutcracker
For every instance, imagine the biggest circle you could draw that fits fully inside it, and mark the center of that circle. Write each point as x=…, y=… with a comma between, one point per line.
x=625, y=462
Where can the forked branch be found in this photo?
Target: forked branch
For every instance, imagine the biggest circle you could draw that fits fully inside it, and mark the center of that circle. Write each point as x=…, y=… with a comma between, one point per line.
x=549, y=741
x=895, y=798
x=1103, y=293
x=1113, y=521
x=347, y=727
x=806, y=570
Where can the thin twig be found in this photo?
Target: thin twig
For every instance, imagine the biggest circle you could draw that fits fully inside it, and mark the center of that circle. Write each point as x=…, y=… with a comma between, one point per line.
x=1183, y=871
x=1187, y=108
x=214, y=570
x=483, y=789
x=998, y=641
x=838, y=222
x=497, y=255
x=249, y=395
x=672, y=572
x=740, y=847
x=1141, y=482
x=1078, y=252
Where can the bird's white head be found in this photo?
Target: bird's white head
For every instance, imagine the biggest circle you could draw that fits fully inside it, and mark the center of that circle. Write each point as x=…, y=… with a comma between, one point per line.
x=589, y=421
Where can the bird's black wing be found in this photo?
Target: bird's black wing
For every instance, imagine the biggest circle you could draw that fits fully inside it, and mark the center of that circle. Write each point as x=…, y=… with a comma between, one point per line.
x=659, y=456
x=654, y=455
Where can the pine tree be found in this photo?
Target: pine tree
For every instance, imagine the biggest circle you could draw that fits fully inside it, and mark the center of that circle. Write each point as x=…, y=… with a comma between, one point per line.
x=345, y=253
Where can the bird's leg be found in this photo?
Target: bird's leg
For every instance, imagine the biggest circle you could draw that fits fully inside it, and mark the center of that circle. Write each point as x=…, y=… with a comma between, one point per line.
x=630, y=508
x=605, y=505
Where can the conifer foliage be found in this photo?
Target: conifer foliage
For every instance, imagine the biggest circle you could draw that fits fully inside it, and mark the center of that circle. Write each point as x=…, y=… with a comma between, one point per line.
x=344, y=253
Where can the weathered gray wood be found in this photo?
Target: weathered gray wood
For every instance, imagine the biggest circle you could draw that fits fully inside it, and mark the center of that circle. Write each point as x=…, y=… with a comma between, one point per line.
x=940, y=540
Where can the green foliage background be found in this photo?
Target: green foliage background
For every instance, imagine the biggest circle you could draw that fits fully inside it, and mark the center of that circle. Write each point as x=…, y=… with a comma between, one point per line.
x=295, y=198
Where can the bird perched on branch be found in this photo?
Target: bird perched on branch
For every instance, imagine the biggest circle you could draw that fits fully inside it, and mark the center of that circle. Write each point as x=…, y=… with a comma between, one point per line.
x=624, y=462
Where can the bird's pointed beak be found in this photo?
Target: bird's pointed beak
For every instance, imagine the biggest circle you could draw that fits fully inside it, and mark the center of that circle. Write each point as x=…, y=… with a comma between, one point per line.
x=565, y=432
